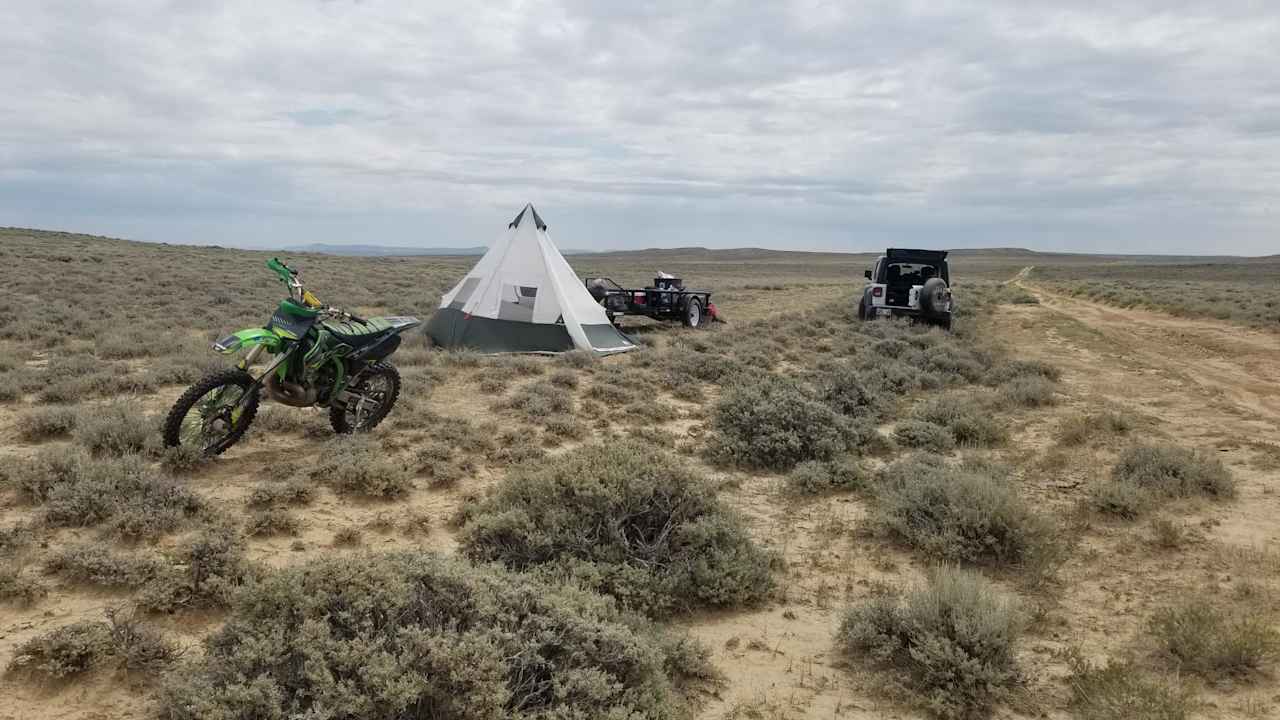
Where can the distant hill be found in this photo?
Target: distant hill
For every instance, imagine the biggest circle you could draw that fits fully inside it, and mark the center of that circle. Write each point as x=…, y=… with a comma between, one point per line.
x=382, y=250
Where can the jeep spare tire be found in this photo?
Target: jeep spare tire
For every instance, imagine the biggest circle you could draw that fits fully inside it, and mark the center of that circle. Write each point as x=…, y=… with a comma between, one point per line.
x=933, y=296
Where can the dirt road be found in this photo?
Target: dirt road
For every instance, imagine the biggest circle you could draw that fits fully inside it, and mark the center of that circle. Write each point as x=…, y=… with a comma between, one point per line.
x=1202, y=383
x=1235, y=369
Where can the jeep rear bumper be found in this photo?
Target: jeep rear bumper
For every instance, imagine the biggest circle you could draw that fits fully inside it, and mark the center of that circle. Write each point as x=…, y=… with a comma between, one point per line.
x=892, y=311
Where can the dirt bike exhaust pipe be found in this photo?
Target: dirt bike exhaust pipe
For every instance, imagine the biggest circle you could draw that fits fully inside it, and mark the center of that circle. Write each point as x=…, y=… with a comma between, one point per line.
x=287, y=393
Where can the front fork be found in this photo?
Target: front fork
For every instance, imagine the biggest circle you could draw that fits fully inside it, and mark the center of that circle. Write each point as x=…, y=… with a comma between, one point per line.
x=251, y=357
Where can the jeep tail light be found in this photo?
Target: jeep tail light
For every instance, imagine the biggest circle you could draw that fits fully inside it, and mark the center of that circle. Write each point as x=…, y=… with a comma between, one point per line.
x=639, y=298
x=877, y=292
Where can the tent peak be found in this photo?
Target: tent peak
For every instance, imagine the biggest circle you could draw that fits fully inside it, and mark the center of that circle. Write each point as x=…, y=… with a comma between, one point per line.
x=528, y=208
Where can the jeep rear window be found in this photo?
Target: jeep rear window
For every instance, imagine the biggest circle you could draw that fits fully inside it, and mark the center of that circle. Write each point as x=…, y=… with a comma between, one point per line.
x=916, y=273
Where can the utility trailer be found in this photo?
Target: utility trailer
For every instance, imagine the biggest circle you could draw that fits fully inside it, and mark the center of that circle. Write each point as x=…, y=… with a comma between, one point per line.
x=667, y=299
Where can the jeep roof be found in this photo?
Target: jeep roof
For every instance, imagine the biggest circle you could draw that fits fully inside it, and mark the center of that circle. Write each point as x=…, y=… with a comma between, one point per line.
x=923, y=257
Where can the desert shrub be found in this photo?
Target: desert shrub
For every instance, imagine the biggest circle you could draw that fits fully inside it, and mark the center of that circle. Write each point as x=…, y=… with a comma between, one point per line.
x=1173, y=472
x=73, y=649
x=347, y=537
x=206, y=573
x=688, y=392
x=970, y=422
x=565, y=426
x=461, y=358
x=774, y=423
x=890, y=378
x=271, y=521
x=446, y=475
x=1168, y=535
x=516, y=448
x=429, y=452
x=1210, y=641
x=67, y=650
x=923, y=435
x=1013, y=369
x=98, y=565
x=682, y=366
x=610, y=394
x=405, y=635
x=10, y=358
x=183, y=459
x=953, y=637
x=358, y=466
x=1079, y=429
x=625, y=519
x=538, y=400
x=117, y=428
x=813, y=477
x=276, y=420
x=648, y=412
x=274, y=493
x=1120, y=691
x=124, y=346
x=1122, y=499
x=63, y=367
x=121, y=382
x=960, y=514
x=126, y=493
x=17, y=586
x=578, y=359
x=137, y=648
x=491, y=385
x=43, y=423
x=844, y=389
x=522, y=365
x=1028, y=391
x=564, y=378
x=16, y=538
x=894, y=348
x=35, y=478
x=954, y=364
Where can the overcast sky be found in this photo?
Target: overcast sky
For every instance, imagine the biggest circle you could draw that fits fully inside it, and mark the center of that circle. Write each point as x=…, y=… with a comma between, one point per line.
x=1133, y=126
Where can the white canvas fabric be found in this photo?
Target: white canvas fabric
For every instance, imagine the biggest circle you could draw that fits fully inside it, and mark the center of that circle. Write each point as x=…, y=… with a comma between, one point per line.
x=523, y=278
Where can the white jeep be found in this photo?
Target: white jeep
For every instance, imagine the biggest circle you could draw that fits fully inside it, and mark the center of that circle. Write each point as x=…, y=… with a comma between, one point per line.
x=909, y=283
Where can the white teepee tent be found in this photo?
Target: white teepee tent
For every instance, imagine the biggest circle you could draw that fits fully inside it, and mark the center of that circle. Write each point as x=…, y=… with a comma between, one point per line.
x=523, y=297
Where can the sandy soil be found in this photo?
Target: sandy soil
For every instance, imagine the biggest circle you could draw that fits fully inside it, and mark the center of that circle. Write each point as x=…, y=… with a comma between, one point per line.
x=1198, y=383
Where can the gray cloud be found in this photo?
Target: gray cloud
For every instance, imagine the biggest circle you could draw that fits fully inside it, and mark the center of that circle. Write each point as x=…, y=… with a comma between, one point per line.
x=809, y=124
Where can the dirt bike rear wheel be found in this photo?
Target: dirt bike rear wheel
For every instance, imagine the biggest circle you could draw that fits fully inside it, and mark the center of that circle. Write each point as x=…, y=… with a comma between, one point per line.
x=379, y=385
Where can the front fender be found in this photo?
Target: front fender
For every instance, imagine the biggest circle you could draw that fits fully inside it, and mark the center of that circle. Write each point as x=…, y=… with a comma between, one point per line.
x=247, y=338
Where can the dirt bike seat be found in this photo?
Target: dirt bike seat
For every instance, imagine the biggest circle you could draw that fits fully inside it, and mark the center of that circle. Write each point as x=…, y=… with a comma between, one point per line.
x=355, y=333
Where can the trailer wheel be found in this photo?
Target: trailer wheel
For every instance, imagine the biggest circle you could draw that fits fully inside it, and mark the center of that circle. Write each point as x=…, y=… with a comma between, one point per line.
x=693, y=313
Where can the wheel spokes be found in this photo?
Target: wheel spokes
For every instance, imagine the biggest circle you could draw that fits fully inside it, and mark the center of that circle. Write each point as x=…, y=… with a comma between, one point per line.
x=213, y=417
x=371, y=394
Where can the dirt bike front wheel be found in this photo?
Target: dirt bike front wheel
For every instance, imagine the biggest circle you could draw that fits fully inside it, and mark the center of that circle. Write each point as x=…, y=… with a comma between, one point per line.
x=372, y=396
x=214, y=413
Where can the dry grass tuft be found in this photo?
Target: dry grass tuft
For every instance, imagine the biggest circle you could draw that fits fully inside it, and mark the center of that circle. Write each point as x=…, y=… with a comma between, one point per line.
x=953, y=637
x=1121, y=691
x=1207, y=640
x=358, y=466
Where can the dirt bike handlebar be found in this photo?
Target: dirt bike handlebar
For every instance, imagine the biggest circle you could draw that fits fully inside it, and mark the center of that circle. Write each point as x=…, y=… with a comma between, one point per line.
x=285, y=272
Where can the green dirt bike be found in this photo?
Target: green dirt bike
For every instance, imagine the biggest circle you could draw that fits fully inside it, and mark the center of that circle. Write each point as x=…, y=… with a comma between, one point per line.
x=323, y=357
